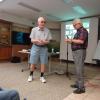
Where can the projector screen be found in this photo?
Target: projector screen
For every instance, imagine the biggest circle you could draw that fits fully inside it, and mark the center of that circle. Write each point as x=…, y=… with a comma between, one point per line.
x=91, y=24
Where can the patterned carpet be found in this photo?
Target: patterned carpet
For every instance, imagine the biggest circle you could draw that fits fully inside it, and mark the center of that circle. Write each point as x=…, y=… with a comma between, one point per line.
x=56, y=88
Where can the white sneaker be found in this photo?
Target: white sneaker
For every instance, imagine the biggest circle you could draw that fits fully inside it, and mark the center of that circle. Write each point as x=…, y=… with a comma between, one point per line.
x=42, y=79
x=30, y=78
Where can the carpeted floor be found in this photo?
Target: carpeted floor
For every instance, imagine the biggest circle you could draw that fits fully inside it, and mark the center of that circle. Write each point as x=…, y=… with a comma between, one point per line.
x=56, y=88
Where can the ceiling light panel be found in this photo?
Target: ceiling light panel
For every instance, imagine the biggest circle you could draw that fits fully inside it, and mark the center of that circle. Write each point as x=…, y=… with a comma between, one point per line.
x=80, y=10
x=68, y=1
x=2, y=1
x=53, y=17
x=29, y=7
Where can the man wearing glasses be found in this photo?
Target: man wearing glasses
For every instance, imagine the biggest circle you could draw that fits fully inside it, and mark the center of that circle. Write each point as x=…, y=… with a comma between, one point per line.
x=79, y=44
x=40, y=37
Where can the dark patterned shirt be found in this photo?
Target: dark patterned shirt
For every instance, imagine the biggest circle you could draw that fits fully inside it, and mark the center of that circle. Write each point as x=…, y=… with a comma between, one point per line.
x=81, y=34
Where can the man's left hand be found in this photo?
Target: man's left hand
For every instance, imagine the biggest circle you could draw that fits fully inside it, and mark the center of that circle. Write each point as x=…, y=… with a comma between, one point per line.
x=44, y=42
x=68, y=40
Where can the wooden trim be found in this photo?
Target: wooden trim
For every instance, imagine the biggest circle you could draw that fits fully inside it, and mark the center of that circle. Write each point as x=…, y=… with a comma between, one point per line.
x=3, y=21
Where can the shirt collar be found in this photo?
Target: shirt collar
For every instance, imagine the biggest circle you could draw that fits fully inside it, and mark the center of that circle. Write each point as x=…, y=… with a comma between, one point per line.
x=40, y=29
x=80, y=28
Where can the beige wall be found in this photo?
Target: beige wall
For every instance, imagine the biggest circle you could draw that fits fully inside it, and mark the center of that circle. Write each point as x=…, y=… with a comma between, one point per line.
x=55, y=28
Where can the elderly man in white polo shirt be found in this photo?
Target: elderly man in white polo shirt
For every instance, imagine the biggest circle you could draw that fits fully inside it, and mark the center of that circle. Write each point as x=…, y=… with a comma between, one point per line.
x=40, y=37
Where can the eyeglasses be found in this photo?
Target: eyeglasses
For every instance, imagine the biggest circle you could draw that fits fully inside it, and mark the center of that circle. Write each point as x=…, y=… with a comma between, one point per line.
x=76, y=24
x=43, y=22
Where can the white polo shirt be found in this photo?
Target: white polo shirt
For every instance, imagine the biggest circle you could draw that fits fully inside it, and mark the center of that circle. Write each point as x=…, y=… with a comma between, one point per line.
x=37, y=33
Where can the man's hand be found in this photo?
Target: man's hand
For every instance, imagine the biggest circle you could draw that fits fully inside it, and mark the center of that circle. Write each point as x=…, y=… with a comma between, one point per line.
x=68, y=40
x=40, y=42
x=36, y=41
x=44, y=42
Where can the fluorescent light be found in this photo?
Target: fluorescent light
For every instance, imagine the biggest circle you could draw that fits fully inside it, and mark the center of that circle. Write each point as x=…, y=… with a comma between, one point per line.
x=52, y=17
x=1, y=0
x=68, y=1
x=79, y=10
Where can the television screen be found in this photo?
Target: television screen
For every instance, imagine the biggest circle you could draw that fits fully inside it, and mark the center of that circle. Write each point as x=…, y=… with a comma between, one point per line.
x=20, y=38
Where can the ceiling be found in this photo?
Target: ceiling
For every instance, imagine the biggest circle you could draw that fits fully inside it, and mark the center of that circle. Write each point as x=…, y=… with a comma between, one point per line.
x=53, y=10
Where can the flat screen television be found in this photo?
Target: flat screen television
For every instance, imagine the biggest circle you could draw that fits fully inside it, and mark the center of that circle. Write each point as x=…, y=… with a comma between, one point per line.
x=20, y=38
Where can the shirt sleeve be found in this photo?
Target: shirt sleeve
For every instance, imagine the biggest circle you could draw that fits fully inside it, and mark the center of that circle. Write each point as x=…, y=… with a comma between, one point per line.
x=32, y=35
x=83, y=35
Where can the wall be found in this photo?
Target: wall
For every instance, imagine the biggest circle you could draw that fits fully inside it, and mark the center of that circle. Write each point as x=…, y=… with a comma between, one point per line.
x=55, y=28
x=16, y=48
x=93, y=37
x=53, y=25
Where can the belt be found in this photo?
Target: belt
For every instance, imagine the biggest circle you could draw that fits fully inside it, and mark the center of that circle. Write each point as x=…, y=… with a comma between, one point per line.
x=40, y=45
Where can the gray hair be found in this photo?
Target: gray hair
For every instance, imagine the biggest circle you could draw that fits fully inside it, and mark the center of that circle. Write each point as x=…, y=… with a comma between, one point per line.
x=41, y=19
x=77, y=21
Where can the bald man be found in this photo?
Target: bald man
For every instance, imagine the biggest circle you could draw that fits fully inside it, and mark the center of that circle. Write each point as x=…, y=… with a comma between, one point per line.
x=40, y=37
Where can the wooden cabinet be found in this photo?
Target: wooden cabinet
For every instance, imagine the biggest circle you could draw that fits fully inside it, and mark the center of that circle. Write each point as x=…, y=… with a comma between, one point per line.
x=5, y=53
x=5, y=33
x=5, y=40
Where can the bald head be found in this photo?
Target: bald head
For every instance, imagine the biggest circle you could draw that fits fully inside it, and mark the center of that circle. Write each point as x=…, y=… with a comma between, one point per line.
x=41, y=19
x=41, y=22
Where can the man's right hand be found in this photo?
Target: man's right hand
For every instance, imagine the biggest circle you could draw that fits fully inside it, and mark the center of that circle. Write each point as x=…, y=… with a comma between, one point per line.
x=38, y=42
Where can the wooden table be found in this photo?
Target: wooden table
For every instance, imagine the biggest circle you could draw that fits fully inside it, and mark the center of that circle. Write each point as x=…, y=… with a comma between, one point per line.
x=28, y=53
